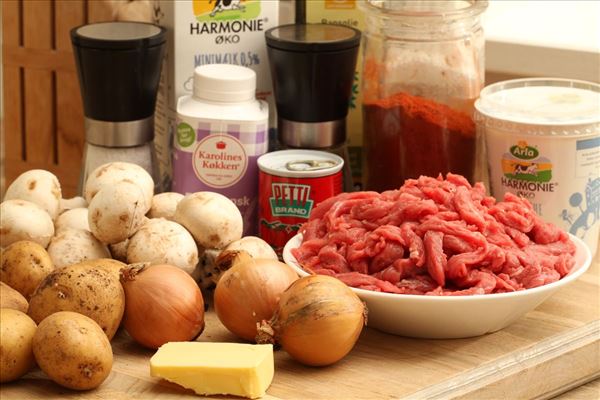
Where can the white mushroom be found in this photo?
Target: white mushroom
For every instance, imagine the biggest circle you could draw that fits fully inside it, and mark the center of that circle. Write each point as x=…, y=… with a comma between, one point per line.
x=111, y=173
x=73, y=202
x=24, y=220
x=37, y=186
x=213, y=219
x=117, y=212
x=255, y=246
x=161, y=241
x=75, y=218
x=119, y=250
x=72, y=246
x=164, y=205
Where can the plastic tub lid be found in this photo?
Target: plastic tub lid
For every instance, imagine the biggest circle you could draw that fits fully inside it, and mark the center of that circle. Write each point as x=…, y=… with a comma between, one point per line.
x=224, y=82
x=542, y=101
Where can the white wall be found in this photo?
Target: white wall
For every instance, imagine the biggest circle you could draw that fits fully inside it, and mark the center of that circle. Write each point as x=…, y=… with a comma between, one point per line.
x=543, y=38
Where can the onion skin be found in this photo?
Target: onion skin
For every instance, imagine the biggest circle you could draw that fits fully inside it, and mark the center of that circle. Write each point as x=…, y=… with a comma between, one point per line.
x=248, y=293
x=317, y=322
x=227, y=259
x=162, y=304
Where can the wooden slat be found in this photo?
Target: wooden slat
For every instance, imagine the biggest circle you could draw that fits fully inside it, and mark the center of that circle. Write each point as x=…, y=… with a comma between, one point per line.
x=69, y=111
x=11, y=87
x=69, y=14
x=39, y=96
x=45, y=59
x=10, y=23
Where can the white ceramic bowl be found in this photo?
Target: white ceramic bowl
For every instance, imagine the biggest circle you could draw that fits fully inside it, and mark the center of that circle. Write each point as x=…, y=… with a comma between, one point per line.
x=445, y=317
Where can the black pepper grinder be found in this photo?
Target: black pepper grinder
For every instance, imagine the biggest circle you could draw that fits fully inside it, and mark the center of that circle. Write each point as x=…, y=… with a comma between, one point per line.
x=119, y=66
x=312, y=68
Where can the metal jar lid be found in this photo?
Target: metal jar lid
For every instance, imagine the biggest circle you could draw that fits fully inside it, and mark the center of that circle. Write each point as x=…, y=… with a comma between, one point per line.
x=300, y=163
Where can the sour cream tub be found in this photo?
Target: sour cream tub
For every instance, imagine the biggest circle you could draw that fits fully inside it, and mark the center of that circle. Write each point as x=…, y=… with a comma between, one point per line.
x=543, y=143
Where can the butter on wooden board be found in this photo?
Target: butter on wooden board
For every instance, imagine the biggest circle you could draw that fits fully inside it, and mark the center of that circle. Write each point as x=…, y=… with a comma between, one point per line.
x=216, y=368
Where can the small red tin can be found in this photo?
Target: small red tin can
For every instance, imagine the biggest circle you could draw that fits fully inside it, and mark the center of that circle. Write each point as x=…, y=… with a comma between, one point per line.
x=290, y=185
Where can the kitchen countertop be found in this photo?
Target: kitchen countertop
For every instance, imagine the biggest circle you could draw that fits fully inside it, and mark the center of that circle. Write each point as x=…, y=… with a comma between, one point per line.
x=549, y=351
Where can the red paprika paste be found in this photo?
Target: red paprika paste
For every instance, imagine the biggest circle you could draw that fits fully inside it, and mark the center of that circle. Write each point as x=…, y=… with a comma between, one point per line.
x=407, y=136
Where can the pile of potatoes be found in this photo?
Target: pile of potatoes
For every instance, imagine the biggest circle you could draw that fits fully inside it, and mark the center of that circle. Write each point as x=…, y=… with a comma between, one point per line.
x=61, y=262
x=61, y=319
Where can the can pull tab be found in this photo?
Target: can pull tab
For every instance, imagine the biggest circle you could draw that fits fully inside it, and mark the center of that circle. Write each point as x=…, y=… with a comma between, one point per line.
x=309, y=165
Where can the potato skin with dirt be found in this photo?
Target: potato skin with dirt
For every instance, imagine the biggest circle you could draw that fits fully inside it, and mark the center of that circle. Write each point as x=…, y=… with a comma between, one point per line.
x=10, y=298
x=108, y=264
x=16, y=338
x=24, y=265
x=73, y=350
x=89, y=290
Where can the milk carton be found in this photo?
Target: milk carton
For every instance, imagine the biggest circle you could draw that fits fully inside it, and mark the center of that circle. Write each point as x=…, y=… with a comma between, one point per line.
x=211, y=32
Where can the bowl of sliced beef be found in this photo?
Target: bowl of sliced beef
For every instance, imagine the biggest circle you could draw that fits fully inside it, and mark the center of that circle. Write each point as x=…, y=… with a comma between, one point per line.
x=438, y=258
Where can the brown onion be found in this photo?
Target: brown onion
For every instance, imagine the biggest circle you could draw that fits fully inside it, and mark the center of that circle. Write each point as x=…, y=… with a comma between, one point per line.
x=162, y=304
x=227, y=259
x=318, y=320
x=248, y=292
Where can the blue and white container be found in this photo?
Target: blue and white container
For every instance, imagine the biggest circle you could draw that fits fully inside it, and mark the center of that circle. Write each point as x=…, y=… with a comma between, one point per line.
x=543, y=143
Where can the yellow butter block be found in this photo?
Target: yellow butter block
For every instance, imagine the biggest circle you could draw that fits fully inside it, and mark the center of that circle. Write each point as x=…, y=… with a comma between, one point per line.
x=216, y=368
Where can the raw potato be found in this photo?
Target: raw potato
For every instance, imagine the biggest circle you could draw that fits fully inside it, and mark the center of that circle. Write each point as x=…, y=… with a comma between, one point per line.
x=164, y=205
x=24, y=220
x=212, y=219
x=117, y=212
x=37, y=186
x=24, y=265
x=75, y=218
x=10, y=298
x=73, y=202
x=119, y=250
x=73, y=351
x=109, y=174
x=71, y=246
x=255, y=246
x=16, y=337
x=89, y=290
x=161, y=241
x=108, y=264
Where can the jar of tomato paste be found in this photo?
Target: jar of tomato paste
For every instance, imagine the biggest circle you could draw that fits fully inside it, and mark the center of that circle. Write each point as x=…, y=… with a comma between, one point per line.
x=423, y=68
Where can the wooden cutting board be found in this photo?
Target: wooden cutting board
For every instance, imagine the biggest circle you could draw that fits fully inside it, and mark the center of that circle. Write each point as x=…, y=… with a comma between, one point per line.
x=552, y=349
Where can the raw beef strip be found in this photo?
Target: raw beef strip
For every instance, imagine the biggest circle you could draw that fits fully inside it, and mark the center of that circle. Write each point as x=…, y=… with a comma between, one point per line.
x=358, y=280
x=466, y=207
x=436, y=259
x=458, y=265
x=399, y=270
x=415, y=244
